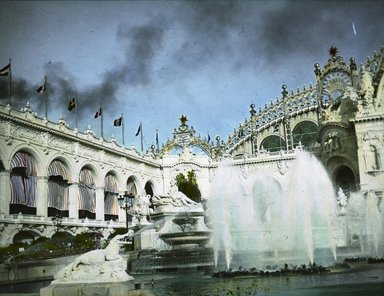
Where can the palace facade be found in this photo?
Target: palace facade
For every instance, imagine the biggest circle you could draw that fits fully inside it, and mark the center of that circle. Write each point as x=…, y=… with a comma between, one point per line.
x=53, y=174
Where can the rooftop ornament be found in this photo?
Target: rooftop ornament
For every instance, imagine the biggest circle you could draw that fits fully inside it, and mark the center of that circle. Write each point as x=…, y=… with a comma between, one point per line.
x=333, y=51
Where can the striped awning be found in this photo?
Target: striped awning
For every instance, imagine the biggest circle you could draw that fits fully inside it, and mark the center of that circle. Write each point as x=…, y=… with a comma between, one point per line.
x=57, y=168
x=23, y=184
x=110, y=184
x=87, y=191
x=23, y=160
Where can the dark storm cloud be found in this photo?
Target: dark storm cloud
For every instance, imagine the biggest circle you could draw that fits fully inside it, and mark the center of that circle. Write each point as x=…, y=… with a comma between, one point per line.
x=143, y=43
x=22, y=91
x=207, y=25
x=140, y=44
x=193, y=53
x=299, y=27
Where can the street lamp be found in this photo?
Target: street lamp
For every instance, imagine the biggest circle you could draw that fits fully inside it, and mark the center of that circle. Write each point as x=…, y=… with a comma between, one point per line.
x=125, y=203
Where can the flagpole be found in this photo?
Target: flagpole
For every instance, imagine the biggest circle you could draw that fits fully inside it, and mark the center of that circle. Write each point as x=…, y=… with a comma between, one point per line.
x=141, y=136
x=122, y=127
x=102, y=115
x=76, y=106
x=46, y=98
x=10, y=83
x=157, y=140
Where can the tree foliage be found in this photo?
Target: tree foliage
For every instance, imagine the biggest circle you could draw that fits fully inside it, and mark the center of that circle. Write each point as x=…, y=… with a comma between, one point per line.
x=188, y=185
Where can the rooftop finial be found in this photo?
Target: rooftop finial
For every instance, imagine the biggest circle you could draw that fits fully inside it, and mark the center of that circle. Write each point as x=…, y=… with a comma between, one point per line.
x=317, y=70
x=352, y=64
x=252, y=111
x=333, y=51
x=284, y=91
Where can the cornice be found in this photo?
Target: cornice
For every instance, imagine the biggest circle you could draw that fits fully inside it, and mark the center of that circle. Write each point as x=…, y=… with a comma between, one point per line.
x=73, y=138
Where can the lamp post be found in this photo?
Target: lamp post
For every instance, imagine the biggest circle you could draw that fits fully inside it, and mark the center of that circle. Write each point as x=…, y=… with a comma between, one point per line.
x=125, y=203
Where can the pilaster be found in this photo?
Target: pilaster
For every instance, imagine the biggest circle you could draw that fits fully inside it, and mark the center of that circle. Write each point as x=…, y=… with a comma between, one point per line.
x=99, y=203
x=41, y=196
x=5, y=192
x=73, y=203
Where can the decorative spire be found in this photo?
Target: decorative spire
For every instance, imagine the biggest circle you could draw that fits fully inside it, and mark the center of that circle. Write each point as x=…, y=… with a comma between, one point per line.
x=252, y=111
x=317, y=70
x=333, y=51
x=352, y=64
x=284, y=91
x=183, y=119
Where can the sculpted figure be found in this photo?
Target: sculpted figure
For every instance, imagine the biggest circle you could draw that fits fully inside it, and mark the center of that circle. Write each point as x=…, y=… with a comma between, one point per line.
x=367, y=91
x=103, y=265
x=342, y=200
x=366, y=84
x=177, y=199
x=142, y=207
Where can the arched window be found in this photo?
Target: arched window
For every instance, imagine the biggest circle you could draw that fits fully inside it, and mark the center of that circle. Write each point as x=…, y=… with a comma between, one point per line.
x=58, y=189
x=304, y=133
x=344, y=178
x=273, y=143
x=149, y=188
x=23, y=184
x=131, y=186
x=110, y=197
x=87, y=194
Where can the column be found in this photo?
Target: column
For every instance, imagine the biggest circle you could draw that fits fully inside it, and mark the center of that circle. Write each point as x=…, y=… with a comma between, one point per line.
x=73, y=203
x=42, y=196
x=100, y=203
x=5, y=192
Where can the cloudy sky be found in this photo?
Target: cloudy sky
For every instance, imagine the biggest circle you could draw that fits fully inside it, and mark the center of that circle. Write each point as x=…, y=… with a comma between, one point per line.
x=156, y=60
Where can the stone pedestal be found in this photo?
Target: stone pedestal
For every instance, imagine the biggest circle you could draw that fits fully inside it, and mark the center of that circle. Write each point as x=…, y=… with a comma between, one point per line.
x=88, y=289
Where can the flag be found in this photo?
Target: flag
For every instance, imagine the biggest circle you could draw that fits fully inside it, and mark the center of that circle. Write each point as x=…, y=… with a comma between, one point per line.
x=138, y=130
x=5, y=70
x=41, y=89
x=209, y=138
x=98, y=113
x=71, y=104
x=117, y=122
x=157, y=137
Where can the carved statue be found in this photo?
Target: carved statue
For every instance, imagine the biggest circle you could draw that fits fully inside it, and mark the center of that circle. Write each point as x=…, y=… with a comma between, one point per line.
x=103, y=265
x=177, y=199
x=332, y=143
x=342, y=200
x=142, y=207
x=366, y=90
x=366, y=83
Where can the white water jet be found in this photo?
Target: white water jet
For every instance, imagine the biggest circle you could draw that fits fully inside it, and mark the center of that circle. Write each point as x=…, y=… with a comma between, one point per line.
x=269, y=218
x=365, y=214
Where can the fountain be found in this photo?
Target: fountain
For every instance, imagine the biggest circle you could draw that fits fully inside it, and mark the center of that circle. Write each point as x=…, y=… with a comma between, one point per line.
x=365, y=223
x=272, y=217
x=175, y=239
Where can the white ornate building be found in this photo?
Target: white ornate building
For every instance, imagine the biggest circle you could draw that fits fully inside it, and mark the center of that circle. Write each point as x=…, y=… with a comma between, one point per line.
x=49, y=169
